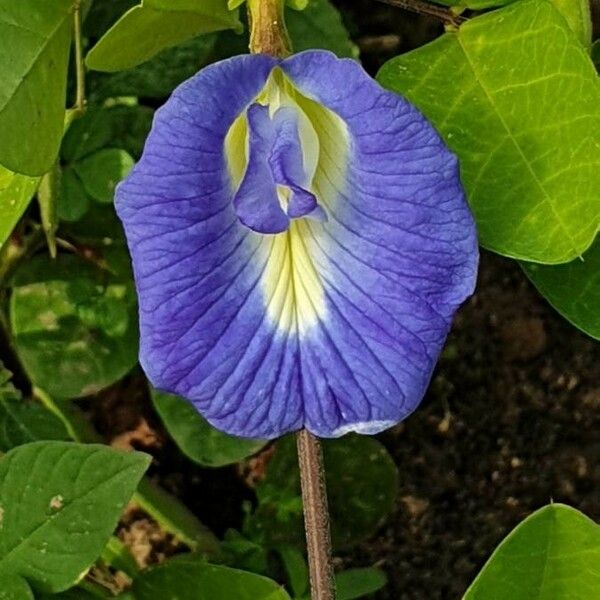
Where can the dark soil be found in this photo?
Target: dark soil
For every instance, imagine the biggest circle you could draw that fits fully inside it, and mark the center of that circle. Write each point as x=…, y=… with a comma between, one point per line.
x=510, y=423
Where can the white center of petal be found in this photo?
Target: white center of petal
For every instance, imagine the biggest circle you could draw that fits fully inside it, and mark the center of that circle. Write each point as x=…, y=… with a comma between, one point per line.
x=293, y=260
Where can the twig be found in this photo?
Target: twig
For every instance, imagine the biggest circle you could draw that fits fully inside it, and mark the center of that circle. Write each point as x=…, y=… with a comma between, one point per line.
x=316, y=516
x=446, y=15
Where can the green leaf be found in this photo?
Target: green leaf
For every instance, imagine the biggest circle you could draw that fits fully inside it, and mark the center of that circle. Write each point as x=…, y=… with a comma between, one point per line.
x=356, y=583
x=296, y=568
x=22, y=422
x=159, y=76
x=48, y=193
x=196, y=438
x=552, y=555
x=530, y=164
x=153, y=25
x=74, y=325
x=578, y=16
x=572, y=289
x=15, y=588
x=73, y=201
x=118, y=126
x=60, y=502
x=357, y=463
x=189, y=578
x=16, y=191
x=35, y=39
x=100, y=172
x=320, y=25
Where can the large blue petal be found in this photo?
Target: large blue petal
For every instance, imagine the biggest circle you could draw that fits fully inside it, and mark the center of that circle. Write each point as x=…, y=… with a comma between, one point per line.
x=396, y=258
x=332, y=325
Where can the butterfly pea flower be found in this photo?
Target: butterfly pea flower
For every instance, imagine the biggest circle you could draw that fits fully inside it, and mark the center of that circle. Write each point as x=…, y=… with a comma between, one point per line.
x=300, y=242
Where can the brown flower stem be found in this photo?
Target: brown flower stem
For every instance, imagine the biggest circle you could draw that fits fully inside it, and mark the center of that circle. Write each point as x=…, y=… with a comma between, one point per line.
x=268, y=33
x=316, y=516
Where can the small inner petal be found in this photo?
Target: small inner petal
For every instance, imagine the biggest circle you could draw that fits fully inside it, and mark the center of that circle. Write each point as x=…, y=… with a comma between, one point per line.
x=273, y=153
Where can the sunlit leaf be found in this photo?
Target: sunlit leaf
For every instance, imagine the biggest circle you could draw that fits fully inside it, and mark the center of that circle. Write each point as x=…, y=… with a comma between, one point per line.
x=59, y=503
x=35, y=51
x=16, y=191
x=553, y=555
x=522, y=111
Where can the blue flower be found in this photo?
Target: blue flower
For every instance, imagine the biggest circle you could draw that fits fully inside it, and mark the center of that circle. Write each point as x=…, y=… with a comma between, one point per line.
x=300, y=241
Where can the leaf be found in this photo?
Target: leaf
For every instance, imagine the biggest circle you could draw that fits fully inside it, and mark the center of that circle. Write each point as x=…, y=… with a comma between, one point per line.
x=35, y=38
x=357, y=463
x=552, y=555
x=196, y=438
x=100, y=172
x=356, y=583
x=118, y=126
x=73, y=201
x=22, y=422
x=296, y=569
x=60, y=501
x=530, y=163
x=572, y=289
x=15, y=588
x=74, y=325
x=16, y=191
x=578, y=16
x=157, y=77
x=320, y=25
x=154, y=25
x=190, y=578
x=48, y=193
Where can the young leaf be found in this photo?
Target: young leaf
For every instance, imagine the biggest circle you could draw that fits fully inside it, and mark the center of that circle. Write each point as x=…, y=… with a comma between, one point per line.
x=530, y=164
x=320, y=25
x=16, y=191
x=35, y=40
x=189, y=578
x=100, y=172
x=552, y=555
x=196, y=438
x=153, y=25
x=357, y=463
x=74, y=325
x=573, y=289
x=357, y=583
x=59, y=503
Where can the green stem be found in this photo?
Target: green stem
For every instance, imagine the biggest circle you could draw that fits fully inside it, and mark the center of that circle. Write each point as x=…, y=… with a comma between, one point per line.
x=79, y=62
x=163, y=507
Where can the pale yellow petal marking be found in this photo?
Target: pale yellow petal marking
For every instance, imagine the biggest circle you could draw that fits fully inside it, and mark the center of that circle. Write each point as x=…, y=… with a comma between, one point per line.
x=292, y=288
